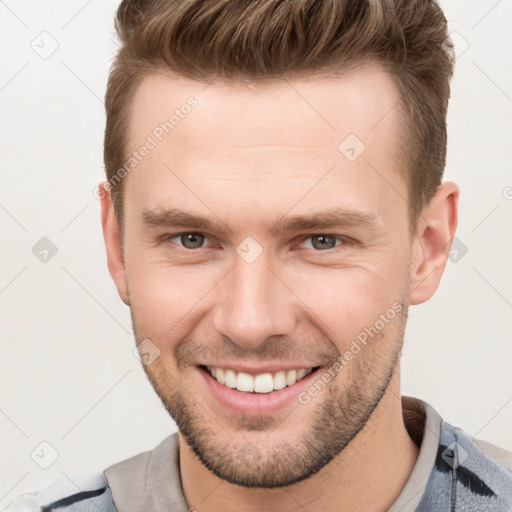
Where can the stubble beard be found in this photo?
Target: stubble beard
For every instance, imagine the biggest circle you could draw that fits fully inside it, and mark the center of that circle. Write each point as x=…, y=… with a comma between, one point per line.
x=336, y=417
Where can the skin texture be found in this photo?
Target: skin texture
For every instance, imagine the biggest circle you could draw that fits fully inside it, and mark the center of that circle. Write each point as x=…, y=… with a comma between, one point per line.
x=248, y=156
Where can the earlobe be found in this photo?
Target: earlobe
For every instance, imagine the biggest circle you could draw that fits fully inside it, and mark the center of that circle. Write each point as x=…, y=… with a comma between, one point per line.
x=113, y=241
x=433, y=239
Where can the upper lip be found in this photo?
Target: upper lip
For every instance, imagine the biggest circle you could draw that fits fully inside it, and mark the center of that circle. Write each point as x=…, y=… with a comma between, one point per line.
x=259, y=369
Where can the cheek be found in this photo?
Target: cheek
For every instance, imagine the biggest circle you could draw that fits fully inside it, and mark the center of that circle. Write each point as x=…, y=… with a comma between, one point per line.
x=165, y=297
x=343, y=302
x=169, y=301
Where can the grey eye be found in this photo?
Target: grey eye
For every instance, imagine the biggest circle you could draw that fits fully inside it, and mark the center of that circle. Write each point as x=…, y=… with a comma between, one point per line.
x=192, y=240
x=321, y=242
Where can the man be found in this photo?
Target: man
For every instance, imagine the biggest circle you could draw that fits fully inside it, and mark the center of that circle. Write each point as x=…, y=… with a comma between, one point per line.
x=274, y=205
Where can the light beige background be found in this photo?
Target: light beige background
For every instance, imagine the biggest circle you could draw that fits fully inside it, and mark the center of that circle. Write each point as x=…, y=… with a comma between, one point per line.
x=68, y=375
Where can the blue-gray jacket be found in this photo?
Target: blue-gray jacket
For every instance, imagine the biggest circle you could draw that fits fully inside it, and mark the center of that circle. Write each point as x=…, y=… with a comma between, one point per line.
x=453, y=473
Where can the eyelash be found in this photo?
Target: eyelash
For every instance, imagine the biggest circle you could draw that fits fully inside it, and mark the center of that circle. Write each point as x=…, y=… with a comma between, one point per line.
x=341, y=238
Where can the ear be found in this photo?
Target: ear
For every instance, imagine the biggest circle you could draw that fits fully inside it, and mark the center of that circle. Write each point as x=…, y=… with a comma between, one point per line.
x=113, y=243
x=432, y=242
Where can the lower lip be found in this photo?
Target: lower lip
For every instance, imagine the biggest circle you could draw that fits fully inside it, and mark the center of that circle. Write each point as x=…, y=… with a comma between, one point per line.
x=255, y=404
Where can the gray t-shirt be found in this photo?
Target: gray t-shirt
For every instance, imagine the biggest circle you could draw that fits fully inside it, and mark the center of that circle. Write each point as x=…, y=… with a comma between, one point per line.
x=453, y=473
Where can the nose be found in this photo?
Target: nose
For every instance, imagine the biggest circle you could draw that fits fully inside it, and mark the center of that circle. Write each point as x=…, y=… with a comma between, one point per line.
x=253, y=303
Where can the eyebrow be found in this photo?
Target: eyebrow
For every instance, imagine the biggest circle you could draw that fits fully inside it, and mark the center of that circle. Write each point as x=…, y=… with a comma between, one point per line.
x=337, y=217
x=173, y=217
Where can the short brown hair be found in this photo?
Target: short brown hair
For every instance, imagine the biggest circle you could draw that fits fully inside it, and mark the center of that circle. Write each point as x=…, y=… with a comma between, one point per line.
x=265, y=40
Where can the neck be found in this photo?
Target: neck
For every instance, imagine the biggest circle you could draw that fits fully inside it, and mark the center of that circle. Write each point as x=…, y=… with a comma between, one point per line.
x=368, y=474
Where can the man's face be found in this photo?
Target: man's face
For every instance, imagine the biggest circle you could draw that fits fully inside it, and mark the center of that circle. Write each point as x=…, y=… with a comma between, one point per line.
x=255, y=293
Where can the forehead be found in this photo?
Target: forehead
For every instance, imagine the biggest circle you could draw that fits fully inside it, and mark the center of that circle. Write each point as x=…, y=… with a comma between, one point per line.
x=316, y=112
x=236, y=145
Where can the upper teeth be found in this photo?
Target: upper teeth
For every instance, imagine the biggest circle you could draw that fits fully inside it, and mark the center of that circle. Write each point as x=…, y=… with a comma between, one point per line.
x=262, y=383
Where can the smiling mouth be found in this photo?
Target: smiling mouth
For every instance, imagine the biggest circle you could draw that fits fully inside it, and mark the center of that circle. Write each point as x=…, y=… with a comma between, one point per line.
x=261, y=383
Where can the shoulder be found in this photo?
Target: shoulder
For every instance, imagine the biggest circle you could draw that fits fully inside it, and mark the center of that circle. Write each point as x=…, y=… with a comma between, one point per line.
x=478, y=451
x=150, y=480
x=477, y=473
x=78, y=491
x=493, y=452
